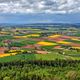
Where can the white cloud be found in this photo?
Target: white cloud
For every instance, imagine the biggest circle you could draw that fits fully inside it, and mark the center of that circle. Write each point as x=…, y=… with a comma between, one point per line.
x=39, y=6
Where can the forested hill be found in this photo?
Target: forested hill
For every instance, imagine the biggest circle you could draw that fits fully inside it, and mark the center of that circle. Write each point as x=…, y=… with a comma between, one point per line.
x=77, y=25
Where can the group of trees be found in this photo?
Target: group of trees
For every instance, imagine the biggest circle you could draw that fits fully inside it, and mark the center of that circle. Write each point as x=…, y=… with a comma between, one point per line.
x=40, y=70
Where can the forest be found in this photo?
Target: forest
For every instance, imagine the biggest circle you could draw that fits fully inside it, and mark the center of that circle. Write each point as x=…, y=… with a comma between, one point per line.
x=40, y=70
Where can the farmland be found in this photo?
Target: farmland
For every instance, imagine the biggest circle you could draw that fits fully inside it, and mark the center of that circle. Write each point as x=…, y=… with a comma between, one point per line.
x=48, y=40
x=49, y=49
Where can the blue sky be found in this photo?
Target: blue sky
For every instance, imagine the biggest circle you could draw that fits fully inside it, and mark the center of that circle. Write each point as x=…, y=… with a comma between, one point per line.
x=39, y=11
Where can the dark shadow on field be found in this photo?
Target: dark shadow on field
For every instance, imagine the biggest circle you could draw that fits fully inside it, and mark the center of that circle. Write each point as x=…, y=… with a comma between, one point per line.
x=28, y=56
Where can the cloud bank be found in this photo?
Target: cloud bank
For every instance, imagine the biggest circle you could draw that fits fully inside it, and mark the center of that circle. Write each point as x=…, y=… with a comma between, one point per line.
x=40, y=6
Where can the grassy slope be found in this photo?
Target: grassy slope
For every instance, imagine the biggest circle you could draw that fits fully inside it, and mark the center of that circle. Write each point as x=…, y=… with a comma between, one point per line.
x=50, y=56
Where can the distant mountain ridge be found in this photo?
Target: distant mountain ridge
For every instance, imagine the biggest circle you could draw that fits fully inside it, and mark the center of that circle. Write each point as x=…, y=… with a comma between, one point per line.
x=42, y=24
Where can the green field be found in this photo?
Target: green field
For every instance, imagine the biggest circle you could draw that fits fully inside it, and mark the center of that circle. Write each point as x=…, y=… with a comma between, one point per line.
x=50, y=56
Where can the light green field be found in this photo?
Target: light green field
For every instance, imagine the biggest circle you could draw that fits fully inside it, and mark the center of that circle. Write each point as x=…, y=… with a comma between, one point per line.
x=49, y=56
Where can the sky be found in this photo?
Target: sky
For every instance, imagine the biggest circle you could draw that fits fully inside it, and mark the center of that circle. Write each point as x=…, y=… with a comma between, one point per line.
x=39, y=11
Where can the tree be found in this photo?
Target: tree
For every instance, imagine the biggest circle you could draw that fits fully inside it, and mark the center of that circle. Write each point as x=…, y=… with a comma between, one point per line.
x=6, y=78
x=72, y=75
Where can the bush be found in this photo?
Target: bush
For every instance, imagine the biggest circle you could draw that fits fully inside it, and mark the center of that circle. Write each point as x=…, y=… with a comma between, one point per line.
x=72, y=75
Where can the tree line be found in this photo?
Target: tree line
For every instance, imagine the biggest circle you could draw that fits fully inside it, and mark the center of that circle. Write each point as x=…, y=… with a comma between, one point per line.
x=40, y=70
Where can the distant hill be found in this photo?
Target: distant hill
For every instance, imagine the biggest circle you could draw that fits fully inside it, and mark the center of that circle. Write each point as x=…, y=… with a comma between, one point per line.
x=41, y=25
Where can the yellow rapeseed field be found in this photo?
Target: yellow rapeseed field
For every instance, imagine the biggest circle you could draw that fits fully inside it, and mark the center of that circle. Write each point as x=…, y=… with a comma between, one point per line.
x=11, y=53
x=26, y=36
x=7, y=54
x=76, y=39
x=64, y=42
x=4, y=55
x=33, y=35
x=54, y=36
x=20, y=37
x=43, y=43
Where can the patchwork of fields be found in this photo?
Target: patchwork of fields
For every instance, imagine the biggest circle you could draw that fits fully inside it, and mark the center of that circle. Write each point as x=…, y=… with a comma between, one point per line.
x=40, y=43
